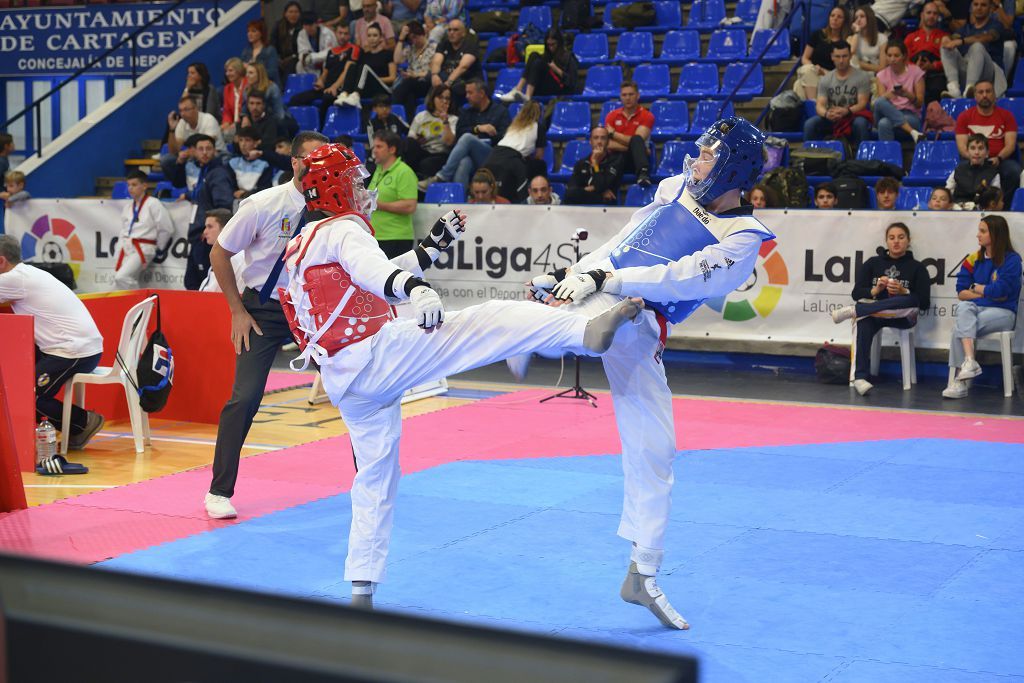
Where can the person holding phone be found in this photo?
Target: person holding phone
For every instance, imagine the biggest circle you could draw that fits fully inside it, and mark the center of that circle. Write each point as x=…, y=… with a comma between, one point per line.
x=900, y=96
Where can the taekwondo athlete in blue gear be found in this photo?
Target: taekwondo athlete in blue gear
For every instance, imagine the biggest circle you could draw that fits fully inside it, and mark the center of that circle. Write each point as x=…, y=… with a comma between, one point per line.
x=692, y=243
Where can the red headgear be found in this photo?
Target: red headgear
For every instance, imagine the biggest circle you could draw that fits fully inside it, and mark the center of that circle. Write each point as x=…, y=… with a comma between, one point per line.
x=334, y=181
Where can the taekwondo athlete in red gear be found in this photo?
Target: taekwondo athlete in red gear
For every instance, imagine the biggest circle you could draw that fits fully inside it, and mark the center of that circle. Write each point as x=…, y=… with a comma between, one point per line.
x=338, y=301
x=692, y=243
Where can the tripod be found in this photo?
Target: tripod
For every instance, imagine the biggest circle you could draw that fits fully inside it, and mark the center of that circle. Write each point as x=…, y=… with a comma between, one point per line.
x=576, y=390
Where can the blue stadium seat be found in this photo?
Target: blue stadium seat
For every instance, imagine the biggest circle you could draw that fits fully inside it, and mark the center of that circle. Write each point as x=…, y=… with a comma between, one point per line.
x=549, y=157
x=445, y=193
x=507, y=79
x=296, y=83
x=538, y=15
x=635, y=47
x=1018, y=197
x=957, y=106
x=746, y=12
x=607, y=108
x=932, y=163
x=706, y=113
x=591, y=48
x=559, y=189
x=753, y=86
x=167, y=187
x=652, y=80
x=640, y=196
x=573, y=152
x=603, y=81
x=913, y=198
x=1016, y=89
x=359, y=149
x=120, y=190
x=493, y=44
x=1015, y=105
x=672, y=156
x=570, y=120
x=513, y=109
x=671, y=120
x=396, y=109
x=697, y=80
x=882, y=150
x=779, y=50
x=680, y=46
x=727, y=45
x=706, y=14
x=343, y=121
x=836, y=145
x=308, y=118
x=667, y=14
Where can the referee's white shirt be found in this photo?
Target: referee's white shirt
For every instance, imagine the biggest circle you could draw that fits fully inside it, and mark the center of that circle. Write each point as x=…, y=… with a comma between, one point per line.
x=260, y=230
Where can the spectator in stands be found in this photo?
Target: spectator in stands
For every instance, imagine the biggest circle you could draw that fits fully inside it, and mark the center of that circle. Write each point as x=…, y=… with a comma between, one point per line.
x=395, y=184
x=251, y=172
x=312, y=44
x=940, y=200
x=519, y=155
x=481, y=123
x=199, y=169
x=369, y=18
x=235, y=85
x=402, y=12
x=6, y=148
x=456, y=61
x=416, y=52
x=259, y=82
x=185, y=123
x=868, y=41
x=924, y=49
x=340, y=59
x=259, y=49
x=432, y=133
x=988, y=287
x=900, y=96
x=259, y=119
x=284, y=38
x=890, y=290
x=991, y=199
x=890, y=13
x=1000, y=127
x=816, y=60
x=842, y=105
x=484, y=189
x=332, y=12
x=629, y=129
x=374, y=74
x=825, y=196
x=552, y=72
x=214, y=224
x=595, y=180
x=886, y=191
x=974, y=53
x=14, y=189
x=197, y=84
x=541, y=193
x=764, y=197
x=973, y=175
x=438, y=17
x=385, y=119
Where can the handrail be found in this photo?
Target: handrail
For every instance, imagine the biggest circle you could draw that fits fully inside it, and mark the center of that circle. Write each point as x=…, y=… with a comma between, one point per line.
x=37, y=104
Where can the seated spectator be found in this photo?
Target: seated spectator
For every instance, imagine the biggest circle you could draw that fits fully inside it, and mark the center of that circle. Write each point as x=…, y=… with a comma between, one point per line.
x=14, y=189
x=374, y=74
x=764, y=197
x=259, y=50
x=541, y=193
x=886, y=191
x=416, y=52
x=369, y=18
x=251, y=172
x=258, y=81
x=385, y=119
x=552, y=72
x=999, y=126
x=890, y=13
x=456, y=61
x=481, y=123
x=974, y=53
x=340, y=59
x=629, y=129
x=235, y=85
x=484, y=189
x=265, y=126
x=144, y=224
x=519, y=152
x=900, y=96
x=284, y=38
x=214, y=224
x=842, y=104
x=941, y=199
x=890, y=290
x=825, y=196
x=991, y=199
x=868, y=41
x=6, y=148
x=438, y=17
x=395, y=184
x=924, y=50
x=185, y=123
x=974, y=175
x=595, y=180
x=312, y=44
x=432, y=133
x=816, y=60
x=197, y=84
x=988, y=287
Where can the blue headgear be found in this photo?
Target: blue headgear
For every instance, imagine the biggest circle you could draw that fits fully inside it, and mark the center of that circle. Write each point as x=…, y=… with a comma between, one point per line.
x=738, y=147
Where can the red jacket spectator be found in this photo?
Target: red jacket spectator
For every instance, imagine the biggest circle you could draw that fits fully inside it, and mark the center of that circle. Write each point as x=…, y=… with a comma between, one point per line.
x=994, y=126
x=627, y=125
x=923, y=40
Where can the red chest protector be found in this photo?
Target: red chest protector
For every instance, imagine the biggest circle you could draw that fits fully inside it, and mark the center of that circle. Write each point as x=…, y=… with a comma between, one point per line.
x=342, y=312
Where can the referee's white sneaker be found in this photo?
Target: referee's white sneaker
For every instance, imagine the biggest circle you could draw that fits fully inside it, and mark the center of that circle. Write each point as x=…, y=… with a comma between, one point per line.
x=219, y=507
x=640, y=589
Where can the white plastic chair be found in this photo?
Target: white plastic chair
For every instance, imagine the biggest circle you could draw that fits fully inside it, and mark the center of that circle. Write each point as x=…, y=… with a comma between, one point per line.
x=908, y=358
x=1005, y=339
x=129, y=348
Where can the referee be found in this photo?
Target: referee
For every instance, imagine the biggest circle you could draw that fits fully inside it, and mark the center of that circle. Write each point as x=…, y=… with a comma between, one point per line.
x=260, y=229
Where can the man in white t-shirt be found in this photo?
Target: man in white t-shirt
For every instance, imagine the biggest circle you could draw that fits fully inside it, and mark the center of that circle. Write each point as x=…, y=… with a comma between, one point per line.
x=185, y=123
x=66, y=338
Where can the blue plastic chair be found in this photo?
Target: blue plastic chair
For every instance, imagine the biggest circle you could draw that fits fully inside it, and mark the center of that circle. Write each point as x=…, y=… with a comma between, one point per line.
x=508, y=78
x=559, y=189
x=607, y=108
x=746, y=11
x=1016, y=89
x=753, y=86
x=396, y=109
x=706, y=113
x=640, y=196
x=120, y=190
x=672, y=156
x=779, y=50
x=591, y=48
x=911, y=198
x=882, y=150
x=603, y=81
x=836, y=145
x=1018, y=197
x=573, y=152
x=697, y=80
x=1015, y=105
x=359, y=149
x=308, y=118
x=671, y=120
x=932, y=163
x=667, y=14
x=343, y=121
x=706, y=14
x=493, y=44
x=679, y=46
x=634, y=47
x=652, y=80
x=538, y=15
x=166, y=186
x=549, y=157
x=445, y=193
x=570, y=120
x=727, y=45
x=296, y=83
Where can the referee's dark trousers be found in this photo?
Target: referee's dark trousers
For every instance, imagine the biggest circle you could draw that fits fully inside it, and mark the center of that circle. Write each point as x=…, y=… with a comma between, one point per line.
x=251, y=370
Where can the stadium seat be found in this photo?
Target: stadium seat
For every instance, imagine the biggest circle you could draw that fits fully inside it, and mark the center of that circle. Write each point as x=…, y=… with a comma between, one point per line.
x=559, y=189
x=549, y=157
x=343, y=121
x=779, y=50
x=607, y=108
x=957, y=106
x=640, y=196
x=308, y=118
x=680, y=46
x=667, y=15
x=634, y=47
x=538, y=15
x=706, y=113
x=296, y=83
x=882, y=150
x=836, y=145
x=1015, y=105
x=359, y=149
x=753, y=85
x=396, y=109
x=652, y=80
x=570, y=120
x=705, y=14
x=746, y=11
x=493, y=44
x=603, y=81
x=508, y=78
x=671, y=120
x=573, y=152
x=1016, y=88
x=1018, y=197
x=727, y=45
x=933, y=162
x=672, y=156
x=165, y=189
x=697, y=80
x=445, y=193
x=591, y=48
x=120, y=190
x=913, y=198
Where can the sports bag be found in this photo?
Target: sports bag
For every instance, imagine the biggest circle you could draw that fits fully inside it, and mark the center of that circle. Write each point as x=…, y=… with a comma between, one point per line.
x=851, y=193
x=790, y=184
x=155, y=372
x=634, y=15
x=832, y=364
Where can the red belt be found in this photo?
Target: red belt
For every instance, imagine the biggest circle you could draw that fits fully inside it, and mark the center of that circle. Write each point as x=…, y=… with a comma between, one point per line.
x=137, y=244
x=662, y=335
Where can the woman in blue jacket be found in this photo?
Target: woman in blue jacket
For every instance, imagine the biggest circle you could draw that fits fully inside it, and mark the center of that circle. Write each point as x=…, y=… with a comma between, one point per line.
x=988, y=287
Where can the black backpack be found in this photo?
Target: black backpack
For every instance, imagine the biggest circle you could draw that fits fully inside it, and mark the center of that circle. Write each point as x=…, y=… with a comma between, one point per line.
x=155, y=372
x=832, y=364
x=851, y=193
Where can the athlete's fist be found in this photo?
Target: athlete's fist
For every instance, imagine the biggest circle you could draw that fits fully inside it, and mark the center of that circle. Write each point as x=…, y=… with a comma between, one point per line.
x=541, y=285
x=446, y=230
x=578, y=286
x=427, y=306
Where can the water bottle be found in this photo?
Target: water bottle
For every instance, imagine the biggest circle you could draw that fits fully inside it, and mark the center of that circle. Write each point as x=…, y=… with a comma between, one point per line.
x=46, y=440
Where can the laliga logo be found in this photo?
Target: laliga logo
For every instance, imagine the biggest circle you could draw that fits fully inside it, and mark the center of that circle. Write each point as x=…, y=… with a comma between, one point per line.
x=53, y=240
x=750, y=301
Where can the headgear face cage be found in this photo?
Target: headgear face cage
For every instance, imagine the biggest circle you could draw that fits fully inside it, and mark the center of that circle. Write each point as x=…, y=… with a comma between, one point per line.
x=336, y=181
x=736, y=158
